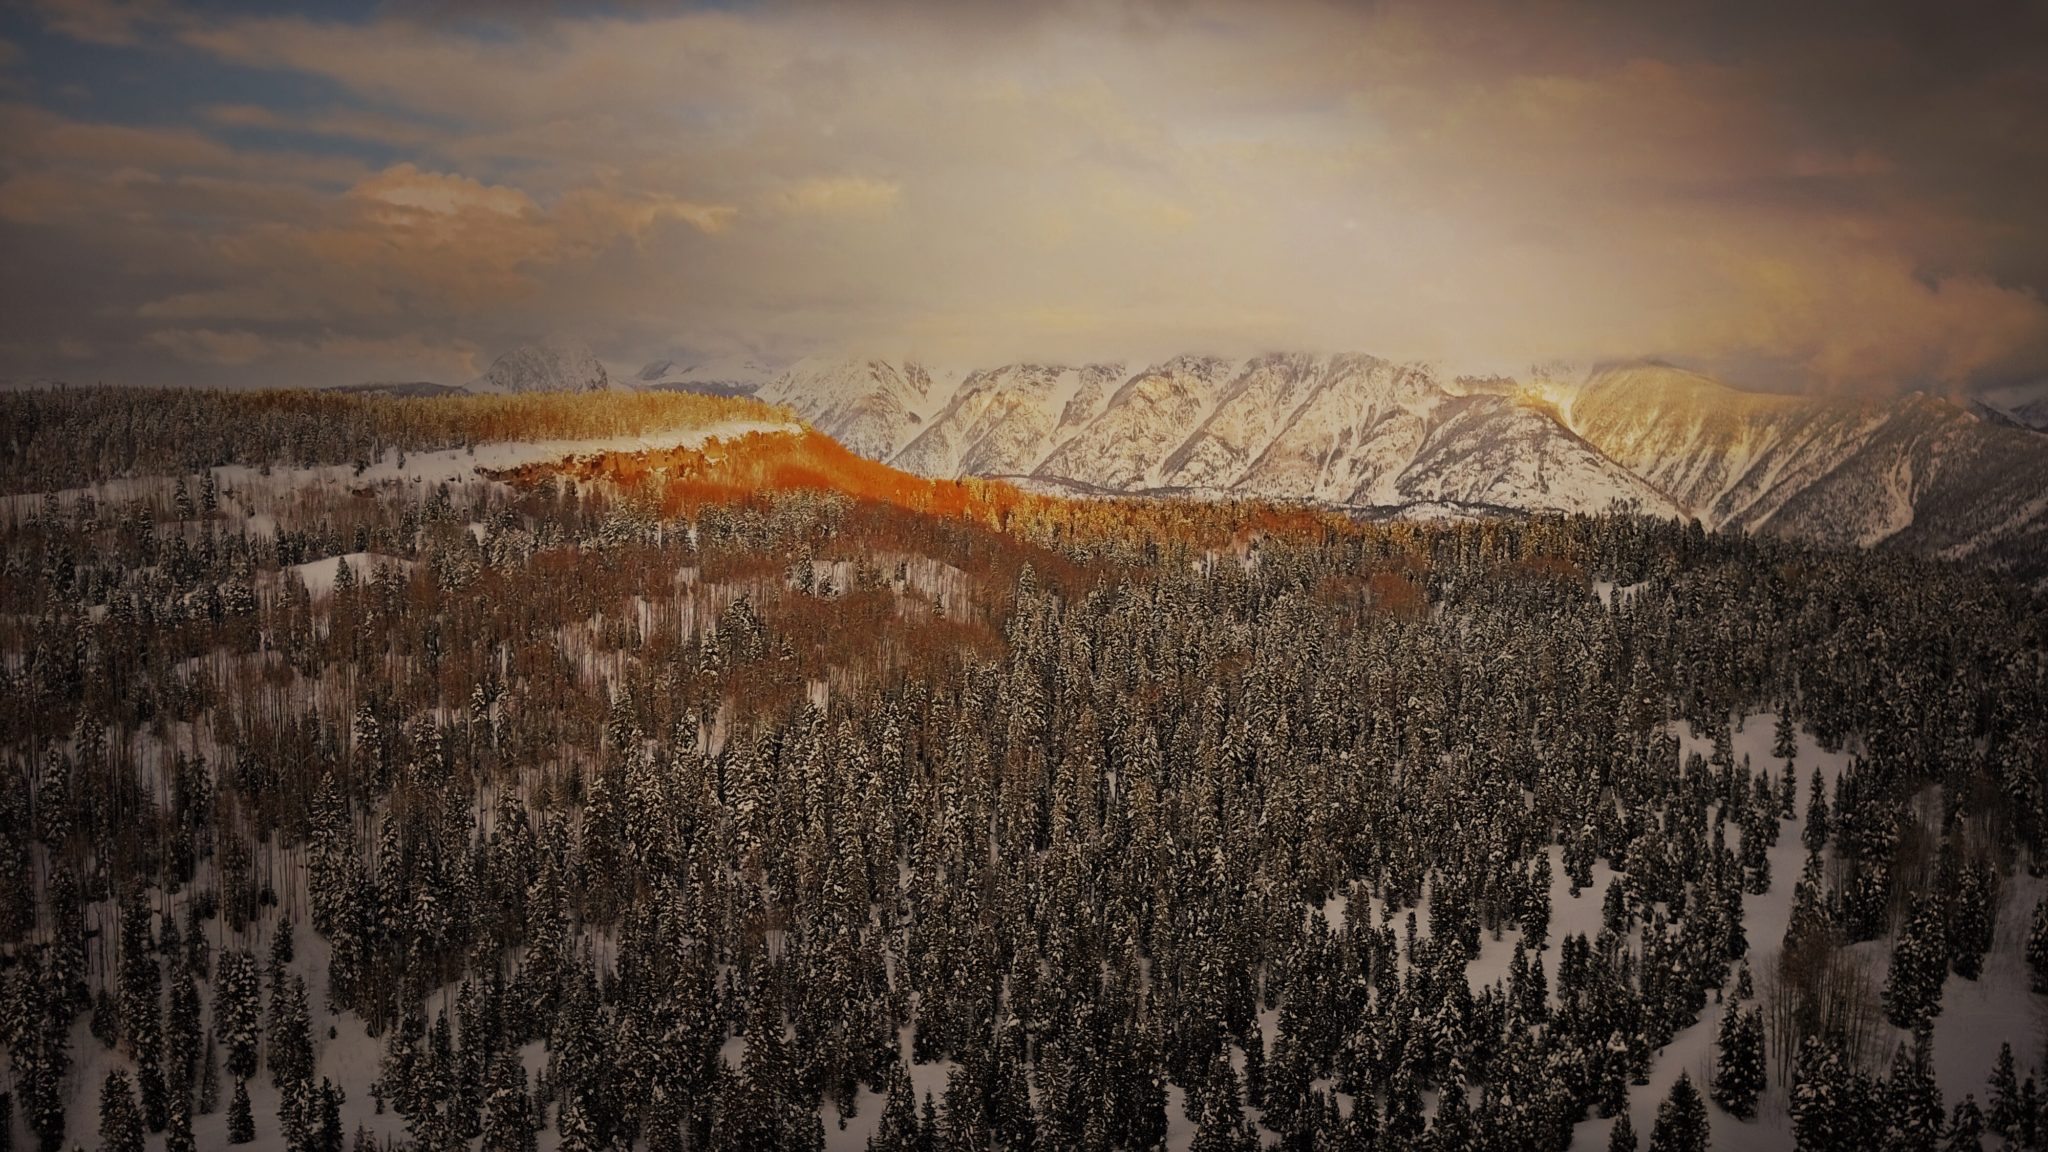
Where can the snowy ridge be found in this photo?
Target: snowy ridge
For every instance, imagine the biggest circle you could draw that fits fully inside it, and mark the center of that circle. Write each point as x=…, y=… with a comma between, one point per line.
x=1350, y=430
x=1361, y=432
x=871, y=406
x=544, y=368
x=1917, y=471
x=2025, y=405
x=727, y=376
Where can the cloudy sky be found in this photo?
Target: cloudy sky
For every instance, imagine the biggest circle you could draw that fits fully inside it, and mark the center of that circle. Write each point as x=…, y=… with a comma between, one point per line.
x=1827, y=195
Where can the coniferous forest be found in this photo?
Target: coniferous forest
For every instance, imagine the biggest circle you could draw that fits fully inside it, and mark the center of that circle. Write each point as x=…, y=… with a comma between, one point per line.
x=747, y=795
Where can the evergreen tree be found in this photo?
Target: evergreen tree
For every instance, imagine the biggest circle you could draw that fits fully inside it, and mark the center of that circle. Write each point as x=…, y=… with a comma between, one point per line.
x=181, y=1032
x=2002, y=1118
x=1681, y=1120
x=142, y=1006
x=1784, y=739
x=39, y=1048
x=1912, y=988
x=1222, y=1127
x=120, y=1120
x=898, y=1129
x=1453, y=1129
x=1827, y=1103
x=1622, y=1136
x=236, y=1012
x=291, y=1035
x=1815, y=832
x=1971, y=919
x=508, y=1120
x=209, y=1078
x=1965, y=1128
x=1912, y=1102
x=327, y=1133
x=178, y=1133
x=1739, y=1076
x=928, y=1126
x=2037, y=946
x=1536, y=905
x=241, y=1119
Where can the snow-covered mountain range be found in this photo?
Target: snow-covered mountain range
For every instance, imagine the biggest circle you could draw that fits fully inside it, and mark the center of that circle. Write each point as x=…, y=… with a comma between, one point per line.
x=731, y=376
x=543, y=368
x=1958, y=478
x=2022, y=405
x=1362, y=432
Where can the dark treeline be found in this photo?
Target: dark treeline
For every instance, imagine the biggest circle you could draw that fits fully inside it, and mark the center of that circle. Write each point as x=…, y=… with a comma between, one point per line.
x=63, y=438
x=1082, y=803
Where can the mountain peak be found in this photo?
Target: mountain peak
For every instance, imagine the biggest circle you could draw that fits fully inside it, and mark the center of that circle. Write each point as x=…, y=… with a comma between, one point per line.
x=543, y=368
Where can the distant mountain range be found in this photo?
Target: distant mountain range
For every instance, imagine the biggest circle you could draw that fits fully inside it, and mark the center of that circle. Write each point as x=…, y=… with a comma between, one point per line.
x=1394, y=439
x=543, y=368
x=2022, y=405
x=1398, y=439
x=736, y=376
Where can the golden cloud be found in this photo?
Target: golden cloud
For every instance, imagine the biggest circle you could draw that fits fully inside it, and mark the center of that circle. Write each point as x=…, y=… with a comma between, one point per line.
x=839, y=196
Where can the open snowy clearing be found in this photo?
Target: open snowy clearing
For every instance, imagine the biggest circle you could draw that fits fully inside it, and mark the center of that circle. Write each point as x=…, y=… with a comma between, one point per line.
x=450, y=466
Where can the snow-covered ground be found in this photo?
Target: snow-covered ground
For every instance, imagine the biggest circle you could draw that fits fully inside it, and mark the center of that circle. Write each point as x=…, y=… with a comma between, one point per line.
x=319, y=575
x=239, y=482
x=1976, y=1015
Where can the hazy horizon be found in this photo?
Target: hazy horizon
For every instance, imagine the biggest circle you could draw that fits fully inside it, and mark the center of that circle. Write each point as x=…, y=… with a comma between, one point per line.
x=1842, y=198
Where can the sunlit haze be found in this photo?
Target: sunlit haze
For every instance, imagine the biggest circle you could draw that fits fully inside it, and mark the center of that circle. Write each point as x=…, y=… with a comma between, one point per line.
x=1829, y=197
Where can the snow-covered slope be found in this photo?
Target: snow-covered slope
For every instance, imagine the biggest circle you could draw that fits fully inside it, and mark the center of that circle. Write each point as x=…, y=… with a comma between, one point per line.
x=543, y=368
x=1126, y=447
x=1370, y=433
x=1916, y=470
x=2025, y=405
x=1007, y=420
x=727, y=376
x=1353, y=430
x=1359, y=431
x=871, y=406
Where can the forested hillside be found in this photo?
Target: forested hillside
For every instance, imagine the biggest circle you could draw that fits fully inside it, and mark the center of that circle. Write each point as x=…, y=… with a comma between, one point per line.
x=62, y=438
x=743, y=793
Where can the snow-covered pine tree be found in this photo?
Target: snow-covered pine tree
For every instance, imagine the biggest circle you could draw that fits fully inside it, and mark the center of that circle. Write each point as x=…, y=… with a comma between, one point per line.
x=182, y=1030
x=1965, y=1127
x=2002, y=1116
x=241, y=1118
x=1681, y=1120
x=2037, y=946
x=1739, y=1075
x=1621, y=1137
x=291, y=1035
x=209, y=1078
x=1971, y=918
x=1912, y=988
x=1912, y=1102
x=178, y=1133
x=237, y=1012
x=1814, y=833
x=120, y=1121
